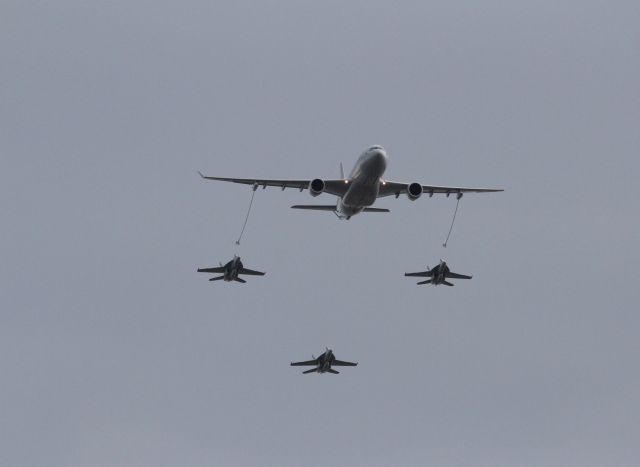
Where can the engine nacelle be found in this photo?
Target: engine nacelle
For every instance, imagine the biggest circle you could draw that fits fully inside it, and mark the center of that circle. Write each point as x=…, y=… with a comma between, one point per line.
x=414, y=191
x=316, y=187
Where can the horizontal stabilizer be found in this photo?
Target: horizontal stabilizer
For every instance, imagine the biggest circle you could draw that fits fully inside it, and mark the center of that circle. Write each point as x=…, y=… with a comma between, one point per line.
x=425, y=282
x=217, y=278
x=375, y=210
x=447, y=283
x=312, y=370
x=238, y=279
x=331, y=370
x=315, y=207
x=331, y=207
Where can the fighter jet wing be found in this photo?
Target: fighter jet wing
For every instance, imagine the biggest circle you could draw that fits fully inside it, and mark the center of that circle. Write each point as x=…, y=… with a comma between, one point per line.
x=307, y=363
x=395, y=188
x=333, y=187
x=341, y=363
x=218, y=270
x=419, y=274
x=251, y=272
x=453, y=275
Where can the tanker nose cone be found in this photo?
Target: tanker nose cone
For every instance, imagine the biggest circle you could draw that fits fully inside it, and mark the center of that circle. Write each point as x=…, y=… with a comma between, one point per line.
x=379, y=160
x=382, y=155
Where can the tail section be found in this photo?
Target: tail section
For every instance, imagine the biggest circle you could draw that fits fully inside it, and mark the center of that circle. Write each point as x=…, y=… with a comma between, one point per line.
x=217, y=278
x=425, y=282
x=331, y=370
x=238, y=279
x=312, y=370
x=447, y=283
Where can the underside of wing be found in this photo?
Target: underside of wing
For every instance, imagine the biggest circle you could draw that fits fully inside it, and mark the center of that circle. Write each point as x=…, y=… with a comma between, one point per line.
x=333, y=187
x=216, y=270
x=336, y=187
x=454, y=275
x=307, y=363
x=457, y=189
x=395, y=188
x=251, y=272
x=419, y=274
x=261, y=182
x=341, y=363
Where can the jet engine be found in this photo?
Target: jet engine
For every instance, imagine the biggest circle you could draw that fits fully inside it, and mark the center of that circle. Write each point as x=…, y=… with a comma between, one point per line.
x=316, y=187
x=414, y=191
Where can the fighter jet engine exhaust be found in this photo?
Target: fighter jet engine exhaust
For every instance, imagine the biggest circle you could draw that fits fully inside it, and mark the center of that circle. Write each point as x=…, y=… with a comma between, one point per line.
x=414, y=191
x=316, y=187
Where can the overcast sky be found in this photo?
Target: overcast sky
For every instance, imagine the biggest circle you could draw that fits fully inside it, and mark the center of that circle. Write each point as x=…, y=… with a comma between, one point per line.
x=115, y=352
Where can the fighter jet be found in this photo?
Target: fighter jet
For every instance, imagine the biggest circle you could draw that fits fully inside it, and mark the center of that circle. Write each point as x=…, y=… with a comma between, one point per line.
x=323, y=363
x=439, y=275
x=357, y=192
x=231, y=271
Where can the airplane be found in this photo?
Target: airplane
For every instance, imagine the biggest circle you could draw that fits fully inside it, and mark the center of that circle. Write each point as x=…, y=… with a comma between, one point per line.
x=323, y=363
x=231, y=271
x=359, y=191
x=438, y=274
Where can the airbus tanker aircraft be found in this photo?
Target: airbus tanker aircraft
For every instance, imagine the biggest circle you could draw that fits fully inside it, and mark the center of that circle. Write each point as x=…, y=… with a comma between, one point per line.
x=358, y=192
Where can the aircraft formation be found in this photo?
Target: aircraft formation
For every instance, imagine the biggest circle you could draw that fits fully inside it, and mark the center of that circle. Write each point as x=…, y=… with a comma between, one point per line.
x=356, y=194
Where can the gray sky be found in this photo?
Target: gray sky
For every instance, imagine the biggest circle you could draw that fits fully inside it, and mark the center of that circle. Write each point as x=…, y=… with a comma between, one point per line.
x=114, y=352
